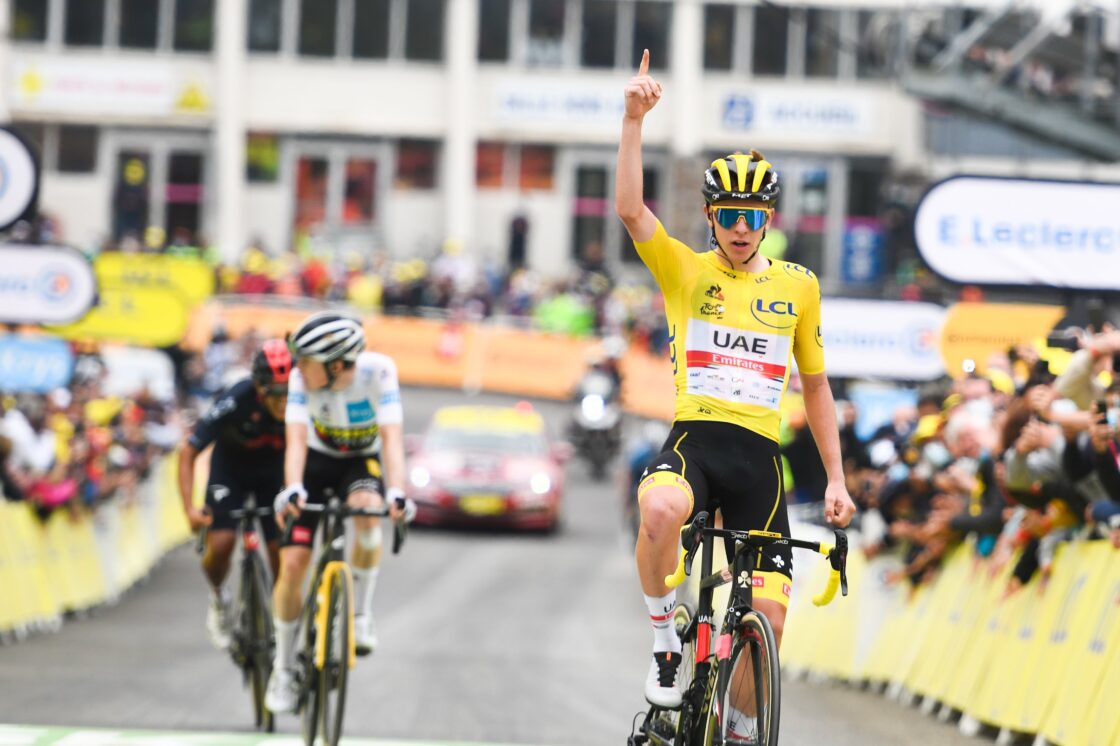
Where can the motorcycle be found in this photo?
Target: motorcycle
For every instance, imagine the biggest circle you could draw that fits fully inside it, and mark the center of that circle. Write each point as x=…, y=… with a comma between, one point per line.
x=596, y=427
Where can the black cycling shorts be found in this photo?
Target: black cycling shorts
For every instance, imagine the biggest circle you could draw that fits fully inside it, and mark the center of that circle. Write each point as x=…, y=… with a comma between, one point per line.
x=340, y=475
x=738, y=471
x=227, y=488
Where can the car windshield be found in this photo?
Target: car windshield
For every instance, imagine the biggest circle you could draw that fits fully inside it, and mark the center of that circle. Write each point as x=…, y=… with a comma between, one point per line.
x=516, y=442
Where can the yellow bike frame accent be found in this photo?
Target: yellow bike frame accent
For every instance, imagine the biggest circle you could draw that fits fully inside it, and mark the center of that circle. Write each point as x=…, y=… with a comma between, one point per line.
x=322, y=597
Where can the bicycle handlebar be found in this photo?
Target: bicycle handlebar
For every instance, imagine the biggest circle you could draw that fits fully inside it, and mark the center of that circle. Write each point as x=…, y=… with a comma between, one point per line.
x=837, y=554
x=400, y=528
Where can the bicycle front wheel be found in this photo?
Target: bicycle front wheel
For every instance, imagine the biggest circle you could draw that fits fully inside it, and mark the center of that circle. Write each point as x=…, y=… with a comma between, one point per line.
x=751, y=686
x=336, y=664
x=255, y=589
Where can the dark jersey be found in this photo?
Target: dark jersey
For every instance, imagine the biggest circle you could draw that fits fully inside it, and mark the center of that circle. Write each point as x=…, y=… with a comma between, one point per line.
x=243, y=431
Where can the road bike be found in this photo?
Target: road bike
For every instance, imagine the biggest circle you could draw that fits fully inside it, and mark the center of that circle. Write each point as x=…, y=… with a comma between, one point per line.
x=327, y=651
x=251, y=640
x=741, y=668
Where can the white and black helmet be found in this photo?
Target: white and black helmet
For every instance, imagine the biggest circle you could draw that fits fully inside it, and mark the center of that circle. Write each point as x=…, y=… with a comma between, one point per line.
x=328, y=336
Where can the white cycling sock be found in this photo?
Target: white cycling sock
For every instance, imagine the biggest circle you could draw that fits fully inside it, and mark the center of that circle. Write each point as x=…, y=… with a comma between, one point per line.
x=665, y=638
x=285, y=643
x=743, y=726
x=365, y=580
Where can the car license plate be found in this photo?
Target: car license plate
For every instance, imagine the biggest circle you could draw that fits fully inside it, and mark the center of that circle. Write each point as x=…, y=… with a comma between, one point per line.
x=482, y=504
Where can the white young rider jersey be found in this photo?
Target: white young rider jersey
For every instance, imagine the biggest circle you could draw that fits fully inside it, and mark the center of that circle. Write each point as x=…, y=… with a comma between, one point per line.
x=348, y=422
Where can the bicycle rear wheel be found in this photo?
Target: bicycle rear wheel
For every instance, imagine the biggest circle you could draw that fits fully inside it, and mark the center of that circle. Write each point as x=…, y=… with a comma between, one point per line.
x=751, y=684
x=258, y=628
x=336, y=663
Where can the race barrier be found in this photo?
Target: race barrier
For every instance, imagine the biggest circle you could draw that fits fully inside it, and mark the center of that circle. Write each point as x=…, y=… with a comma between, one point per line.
x=70, y=563
x=1034, y=661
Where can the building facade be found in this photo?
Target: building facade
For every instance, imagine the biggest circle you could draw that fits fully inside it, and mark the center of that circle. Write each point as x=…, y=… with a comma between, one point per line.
x=400, y=124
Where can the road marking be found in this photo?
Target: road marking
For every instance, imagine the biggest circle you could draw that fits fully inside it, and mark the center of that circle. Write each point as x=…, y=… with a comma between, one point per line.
x=21, y=735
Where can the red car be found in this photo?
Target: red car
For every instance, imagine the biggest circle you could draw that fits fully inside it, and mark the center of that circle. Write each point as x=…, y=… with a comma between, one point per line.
x=491, y=466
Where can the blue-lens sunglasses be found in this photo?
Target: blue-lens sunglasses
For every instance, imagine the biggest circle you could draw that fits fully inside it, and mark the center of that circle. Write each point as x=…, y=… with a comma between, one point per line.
x=729, y=216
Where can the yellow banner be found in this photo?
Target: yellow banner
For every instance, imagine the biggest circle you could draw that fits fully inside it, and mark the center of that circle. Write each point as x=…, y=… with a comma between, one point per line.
x=152, y=317
x=193, y=279
x=974, y=331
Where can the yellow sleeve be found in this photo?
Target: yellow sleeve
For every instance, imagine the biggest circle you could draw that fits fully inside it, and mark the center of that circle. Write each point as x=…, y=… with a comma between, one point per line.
x=808, y=346
x=666, y=257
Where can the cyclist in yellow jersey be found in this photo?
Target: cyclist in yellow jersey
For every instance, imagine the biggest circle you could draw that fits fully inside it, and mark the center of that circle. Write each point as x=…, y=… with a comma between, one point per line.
x=735, y=319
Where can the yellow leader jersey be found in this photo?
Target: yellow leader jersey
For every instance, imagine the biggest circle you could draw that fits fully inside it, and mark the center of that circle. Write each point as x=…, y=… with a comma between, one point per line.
x=731, y=333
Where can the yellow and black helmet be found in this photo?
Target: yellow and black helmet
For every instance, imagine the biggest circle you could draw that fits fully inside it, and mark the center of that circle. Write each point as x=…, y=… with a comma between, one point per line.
x=740, y=176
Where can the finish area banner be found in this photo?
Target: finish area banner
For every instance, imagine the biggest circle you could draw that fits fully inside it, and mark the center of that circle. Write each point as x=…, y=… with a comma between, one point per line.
x=989, y=230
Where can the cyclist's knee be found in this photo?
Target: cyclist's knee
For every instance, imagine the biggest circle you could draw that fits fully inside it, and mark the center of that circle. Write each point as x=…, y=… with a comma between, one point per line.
x=219, y=544
x=368, y=533
x=775, y=613
x=363, y=499
x=664, y=509
x=293, y=565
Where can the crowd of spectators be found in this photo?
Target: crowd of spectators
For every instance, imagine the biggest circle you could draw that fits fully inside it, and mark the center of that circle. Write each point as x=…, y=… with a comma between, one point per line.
x=76, y=447
x=1014, y=461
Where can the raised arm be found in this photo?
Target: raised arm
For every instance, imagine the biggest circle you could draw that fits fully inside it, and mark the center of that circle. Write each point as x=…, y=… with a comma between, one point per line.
x=642, y=94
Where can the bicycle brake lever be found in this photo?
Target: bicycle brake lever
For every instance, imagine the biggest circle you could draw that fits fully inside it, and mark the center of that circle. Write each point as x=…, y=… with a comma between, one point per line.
x=841, y=561
x=289, y=524
x=691, y=540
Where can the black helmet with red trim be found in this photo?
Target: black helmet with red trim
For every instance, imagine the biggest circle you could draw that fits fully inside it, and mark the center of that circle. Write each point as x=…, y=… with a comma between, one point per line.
x=272, y=366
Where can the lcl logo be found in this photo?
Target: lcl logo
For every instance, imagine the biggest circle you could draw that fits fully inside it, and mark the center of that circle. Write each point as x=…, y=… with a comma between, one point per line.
x=777, y=314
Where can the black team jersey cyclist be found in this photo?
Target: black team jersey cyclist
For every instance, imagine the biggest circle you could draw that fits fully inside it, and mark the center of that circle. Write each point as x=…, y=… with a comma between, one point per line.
x=246, y=426
x=344, y=420
x=735, y=317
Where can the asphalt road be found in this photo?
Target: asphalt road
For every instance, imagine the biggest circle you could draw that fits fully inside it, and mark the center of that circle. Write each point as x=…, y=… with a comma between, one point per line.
x=486, y=637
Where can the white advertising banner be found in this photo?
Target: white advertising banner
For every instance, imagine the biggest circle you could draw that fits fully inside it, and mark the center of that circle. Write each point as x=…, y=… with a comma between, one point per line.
x=882, y=339
x=793, y=111
x=988, y=230
x=526, y=101
x=44, y=285
x=104, y=87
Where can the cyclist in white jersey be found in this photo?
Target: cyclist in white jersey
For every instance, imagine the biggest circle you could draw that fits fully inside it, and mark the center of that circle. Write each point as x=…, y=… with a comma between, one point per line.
x=343, y=421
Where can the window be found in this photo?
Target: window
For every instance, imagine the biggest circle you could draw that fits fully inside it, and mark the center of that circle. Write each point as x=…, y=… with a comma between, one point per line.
x=493, y=30
x=361, y=185
x=262, y=158
x=77, y=149
x=424, y=33
x=139, y=24
x=878, y=34
x=546, y=32
x=29, y=20
x=194, y=25
x=771, y=37
x=651, y=31
x=822, y=45
x=311, y=192
x=599, y=24
x=589, y=212
x=371, y=29
x=865, y=182
x=33, y=133
x=537, y=165
x=316, y=27
x=416, y=164
x=719, y=36
x=85, y=23
x=489, y=165
x=264, y=25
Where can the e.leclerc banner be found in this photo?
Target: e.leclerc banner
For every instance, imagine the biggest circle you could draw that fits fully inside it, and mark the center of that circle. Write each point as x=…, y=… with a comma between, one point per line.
x=44, y=285
x=882, y=339
x=990, y=230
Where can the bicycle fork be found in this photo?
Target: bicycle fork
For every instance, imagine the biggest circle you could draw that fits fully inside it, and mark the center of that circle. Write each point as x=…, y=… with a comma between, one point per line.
x=322, y=612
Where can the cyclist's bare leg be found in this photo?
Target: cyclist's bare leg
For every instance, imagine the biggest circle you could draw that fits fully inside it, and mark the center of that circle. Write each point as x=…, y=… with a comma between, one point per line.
x=367, y=548
x=664, y=509
x=216, y=560
x=742, y=678
x=287, y=595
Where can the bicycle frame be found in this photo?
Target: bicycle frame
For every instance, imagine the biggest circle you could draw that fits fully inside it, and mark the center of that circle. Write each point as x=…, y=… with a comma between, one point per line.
x=332, y=535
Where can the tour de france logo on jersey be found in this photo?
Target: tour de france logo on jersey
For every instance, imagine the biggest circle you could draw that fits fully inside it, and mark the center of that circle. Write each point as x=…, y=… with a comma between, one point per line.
x=798, y=272
x=776, y=314
x=715, y=291
x=712, y=309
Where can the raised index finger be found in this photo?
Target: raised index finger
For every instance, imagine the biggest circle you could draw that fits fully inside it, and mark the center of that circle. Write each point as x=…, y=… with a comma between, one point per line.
x=643, y=67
